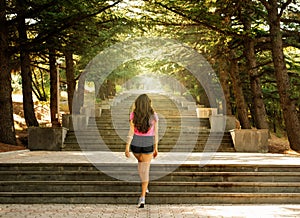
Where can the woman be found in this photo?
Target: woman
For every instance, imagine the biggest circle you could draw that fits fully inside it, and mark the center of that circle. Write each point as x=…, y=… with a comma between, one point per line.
x=143, y=139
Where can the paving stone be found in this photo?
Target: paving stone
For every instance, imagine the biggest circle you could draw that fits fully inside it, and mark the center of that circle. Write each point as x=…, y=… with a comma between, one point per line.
x=151, y=211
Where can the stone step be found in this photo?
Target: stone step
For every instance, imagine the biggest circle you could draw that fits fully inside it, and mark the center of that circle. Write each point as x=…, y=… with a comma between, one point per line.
x=172, y=177
x=152, y=198
x=114, y=139
x=183, y=128
x=175, y=120
x=155, y=167
x=124, y=119
x=120, y=148
x=161, y=145
x=190, y=137
x=186, y=184
x=155, y=186
x=102, y=124
x=169, y=133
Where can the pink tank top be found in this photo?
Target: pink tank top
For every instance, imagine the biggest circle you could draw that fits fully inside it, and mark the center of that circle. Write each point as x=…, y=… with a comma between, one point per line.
x=151, y=129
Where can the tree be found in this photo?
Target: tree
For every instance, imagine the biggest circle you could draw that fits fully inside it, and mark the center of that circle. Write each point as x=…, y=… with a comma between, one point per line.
x=260, y=115
x=54, y=87
x=47, y=20
x=287, y=102
x=241, y=105
x=70, y=76
x=25, y=69
x=7, y=129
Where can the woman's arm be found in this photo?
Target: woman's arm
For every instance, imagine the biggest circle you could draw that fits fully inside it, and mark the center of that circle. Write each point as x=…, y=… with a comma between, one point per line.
x=155, y=152
x=129, y=139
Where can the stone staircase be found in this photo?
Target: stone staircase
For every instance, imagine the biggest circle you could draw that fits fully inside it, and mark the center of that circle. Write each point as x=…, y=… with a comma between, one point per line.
x=212, y=184
x=188, y=183
x=179, y=128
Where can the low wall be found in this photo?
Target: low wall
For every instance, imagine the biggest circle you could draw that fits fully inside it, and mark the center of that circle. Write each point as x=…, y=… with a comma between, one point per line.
x=46, y=138
x=250, y=140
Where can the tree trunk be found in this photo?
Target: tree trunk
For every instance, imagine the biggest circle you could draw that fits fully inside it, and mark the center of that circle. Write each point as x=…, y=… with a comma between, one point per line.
x=239, y=95
x=71, y=83
x=114, y=89
x=102, y=91
x=287, y=103
x=260, y=114
x=224, y=80
x=54, y=110
x=204, y=99
x=26, y=75
x=79, y=95
x=109, y=88
x=258, y=108
x=7, y=129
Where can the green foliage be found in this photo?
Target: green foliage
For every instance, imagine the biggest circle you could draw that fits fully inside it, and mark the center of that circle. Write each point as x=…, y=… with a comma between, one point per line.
x=16, y=82
x=213, y=28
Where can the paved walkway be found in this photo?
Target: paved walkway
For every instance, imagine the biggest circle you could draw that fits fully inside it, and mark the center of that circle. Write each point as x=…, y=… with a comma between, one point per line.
x=152, y=211
x=225, y=158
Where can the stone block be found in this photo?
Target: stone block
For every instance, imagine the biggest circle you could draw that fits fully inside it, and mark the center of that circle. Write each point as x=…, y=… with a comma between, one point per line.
x=250, y=140
x=206, y=112
x=66, y=120
x=91, y=111
x=191, y=106
x=230, y=122
x=219, y=122
x=46, y=138
x=78, y=122
x=75, y=121
x=105, y=106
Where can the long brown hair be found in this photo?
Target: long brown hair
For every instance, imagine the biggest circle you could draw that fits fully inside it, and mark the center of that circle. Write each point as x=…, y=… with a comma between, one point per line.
x=143, y=112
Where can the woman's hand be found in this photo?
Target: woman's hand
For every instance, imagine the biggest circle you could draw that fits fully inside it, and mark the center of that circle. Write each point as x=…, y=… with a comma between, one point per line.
x=127, y=153
x=155, y=153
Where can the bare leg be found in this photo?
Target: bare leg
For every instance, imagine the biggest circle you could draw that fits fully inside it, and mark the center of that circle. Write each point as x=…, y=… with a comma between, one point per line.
x=144, y=175
x=144, y=168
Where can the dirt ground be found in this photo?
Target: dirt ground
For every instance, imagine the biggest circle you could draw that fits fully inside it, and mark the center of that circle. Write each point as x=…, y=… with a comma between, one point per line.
x=280, y=146
x=21, y=142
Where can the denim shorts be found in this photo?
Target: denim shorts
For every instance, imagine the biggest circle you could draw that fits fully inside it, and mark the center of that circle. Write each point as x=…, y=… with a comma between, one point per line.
x=142, y=150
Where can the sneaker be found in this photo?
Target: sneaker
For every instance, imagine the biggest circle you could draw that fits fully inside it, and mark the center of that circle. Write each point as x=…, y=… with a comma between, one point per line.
x=147, y=191
x=141, y=203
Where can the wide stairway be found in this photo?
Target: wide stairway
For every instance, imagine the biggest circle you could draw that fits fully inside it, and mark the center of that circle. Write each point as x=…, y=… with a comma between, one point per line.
x=221, y=181
x=179, y=129
x=188, y=184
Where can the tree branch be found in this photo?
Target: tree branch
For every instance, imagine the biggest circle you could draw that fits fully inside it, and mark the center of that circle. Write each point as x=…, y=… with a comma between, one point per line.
x=287, y=20
x=31, y=13
x=284, y=6
x=66, y=23
x=266, y=4
x=206, y=24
